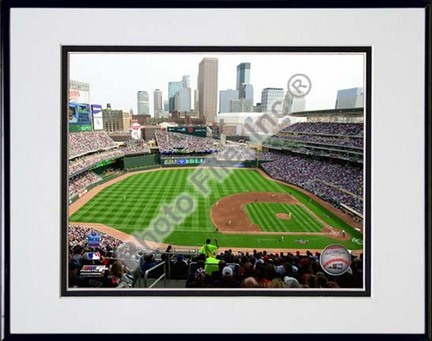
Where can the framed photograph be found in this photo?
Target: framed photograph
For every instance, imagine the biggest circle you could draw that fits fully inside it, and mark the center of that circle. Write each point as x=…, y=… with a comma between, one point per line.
x=219, y=187
x=182, y=156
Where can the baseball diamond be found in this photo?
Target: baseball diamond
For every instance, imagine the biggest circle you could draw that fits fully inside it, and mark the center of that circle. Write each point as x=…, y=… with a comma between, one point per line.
x=246, y=198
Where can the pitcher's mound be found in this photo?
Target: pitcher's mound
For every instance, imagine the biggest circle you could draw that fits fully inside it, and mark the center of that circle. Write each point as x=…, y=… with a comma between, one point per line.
x=283, y=216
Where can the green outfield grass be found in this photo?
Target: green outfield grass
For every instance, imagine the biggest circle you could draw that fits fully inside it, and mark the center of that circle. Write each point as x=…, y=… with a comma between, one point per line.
x=264, y=215
x=133, y=204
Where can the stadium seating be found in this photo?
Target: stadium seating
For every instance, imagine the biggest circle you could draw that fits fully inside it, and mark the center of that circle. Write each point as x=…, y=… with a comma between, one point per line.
x=87, y=142
x=334, y=182
x=266, y=268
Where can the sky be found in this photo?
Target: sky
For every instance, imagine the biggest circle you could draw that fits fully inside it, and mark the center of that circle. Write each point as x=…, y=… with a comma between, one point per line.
x=117, y=77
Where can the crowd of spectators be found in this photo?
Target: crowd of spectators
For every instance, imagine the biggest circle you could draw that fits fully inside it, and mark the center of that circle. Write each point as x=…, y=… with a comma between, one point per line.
x=353, y=142
x=334, y=195
x=77, y=238
x=321, y=128
x=260, y=269
x=268, y=156
x=236, y=152
x=334, y=182
x=120, y=132
x=118, y=260
x=135, y=147
x=81, y=163
x=342, y=141
x=81, y=143
x=81, y=182
x=172, y=143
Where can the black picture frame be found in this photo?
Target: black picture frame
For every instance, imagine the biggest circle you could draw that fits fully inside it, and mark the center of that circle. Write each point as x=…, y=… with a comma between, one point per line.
x=367, y=51
x=7, y=6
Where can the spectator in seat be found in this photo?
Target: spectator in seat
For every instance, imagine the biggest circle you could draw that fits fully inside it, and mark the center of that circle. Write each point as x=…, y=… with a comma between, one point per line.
x=250, y=282
x=75, y=280
x=199, y=279
x=147, y=262
x=228, y=279
x=179, y=268
x=118, y=277
x=291, y=282
x=277, y=283
x=216, y=276
x=247, y=270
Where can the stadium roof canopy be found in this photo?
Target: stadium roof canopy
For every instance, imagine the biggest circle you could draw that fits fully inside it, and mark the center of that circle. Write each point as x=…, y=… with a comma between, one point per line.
x=354, y=112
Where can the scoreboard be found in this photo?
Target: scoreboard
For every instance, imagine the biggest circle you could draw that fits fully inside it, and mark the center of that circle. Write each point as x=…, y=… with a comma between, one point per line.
x=79, y=117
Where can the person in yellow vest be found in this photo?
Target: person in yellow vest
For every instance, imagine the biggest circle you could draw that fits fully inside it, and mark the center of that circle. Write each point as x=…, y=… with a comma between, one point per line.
x=210, y=251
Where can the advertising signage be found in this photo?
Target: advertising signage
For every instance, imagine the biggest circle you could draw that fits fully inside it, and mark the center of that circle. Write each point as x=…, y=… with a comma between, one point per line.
x=97, y=116
x=195, y=131
x=183, y=162
x=96, y=110
x=93, y=239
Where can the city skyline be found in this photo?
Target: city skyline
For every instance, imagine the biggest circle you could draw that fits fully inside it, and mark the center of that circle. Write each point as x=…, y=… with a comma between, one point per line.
x=115, y=78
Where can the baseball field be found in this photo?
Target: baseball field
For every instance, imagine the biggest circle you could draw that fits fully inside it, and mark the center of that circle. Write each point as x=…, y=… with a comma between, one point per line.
x=245, y=209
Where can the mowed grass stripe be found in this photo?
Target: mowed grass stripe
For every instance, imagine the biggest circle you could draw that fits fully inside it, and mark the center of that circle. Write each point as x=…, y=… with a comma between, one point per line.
x=257, y=213
x=252, y=212
x=302, y=219
x=265, y=216
x=277, y=223
x=308, y=223
x=313, y=224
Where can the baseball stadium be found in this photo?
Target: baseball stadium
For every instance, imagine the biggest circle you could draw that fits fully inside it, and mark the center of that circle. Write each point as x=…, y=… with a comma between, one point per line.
x=145, y=202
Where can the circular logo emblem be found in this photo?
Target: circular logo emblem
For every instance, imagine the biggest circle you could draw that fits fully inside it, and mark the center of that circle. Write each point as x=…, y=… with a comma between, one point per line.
x=299, y=85
x=335, y=260
x=190, y=130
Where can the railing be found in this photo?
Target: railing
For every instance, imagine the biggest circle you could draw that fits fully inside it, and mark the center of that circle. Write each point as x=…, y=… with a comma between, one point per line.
x=171, y=254
x=349, y=209
x=158, y=279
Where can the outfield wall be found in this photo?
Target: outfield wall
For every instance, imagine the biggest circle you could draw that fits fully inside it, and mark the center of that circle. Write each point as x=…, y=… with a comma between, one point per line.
x=141, y=161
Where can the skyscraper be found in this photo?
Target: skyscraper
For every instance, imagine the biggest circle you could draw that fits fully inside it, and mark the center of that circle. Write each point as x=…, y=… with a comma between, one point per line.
x=165, y=112
x=225, y=98
x=293, y=103
x=269, y=96
x=241, y=105
x=186, y=82
x=196, y=100
x=173, y=87
x=246, y=91
x=207, y=88
x=143, y=103
x=183, y=100
x=157, y=103
x=243, y=76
